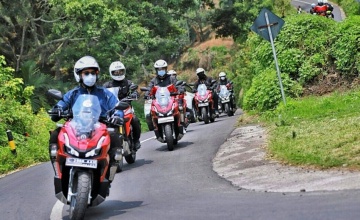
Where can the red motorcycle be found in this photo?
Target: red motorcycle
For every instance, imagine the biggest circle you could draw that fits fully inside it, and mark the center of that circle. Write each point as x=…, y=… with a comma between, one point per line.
x=129, y=151
x=81, y=159
x=166, y=115
x=204, y=104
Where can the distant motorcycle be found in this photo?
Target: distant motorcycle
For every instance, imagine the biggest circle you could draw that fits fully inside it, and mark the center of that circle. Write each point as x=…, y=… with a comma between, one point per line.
x=225, y=100
x=204, y=104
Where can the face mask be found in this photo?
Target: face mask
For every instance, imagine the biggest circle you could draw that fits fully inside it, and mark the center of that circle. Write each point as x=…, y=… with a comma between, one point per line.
x=89, y=80
x=161, y=72
x=222, y=78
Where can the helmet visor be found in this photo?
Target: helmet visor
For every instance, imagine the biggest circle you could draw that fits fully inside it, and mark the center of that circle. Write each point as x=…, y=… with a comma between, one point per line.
x=118, y=72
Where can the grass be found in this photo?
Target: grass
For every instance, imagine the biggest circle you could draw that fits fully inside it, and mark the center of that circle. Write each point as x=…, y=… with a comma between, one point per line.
x=316, y=131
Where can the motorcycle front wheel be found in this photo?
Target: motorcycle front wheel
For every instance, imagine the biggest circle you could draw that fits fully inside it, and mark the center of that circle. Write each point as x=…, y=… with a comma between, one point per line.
x=131, y=157
x=79, y=202
x=169, y=137
x=204, y=115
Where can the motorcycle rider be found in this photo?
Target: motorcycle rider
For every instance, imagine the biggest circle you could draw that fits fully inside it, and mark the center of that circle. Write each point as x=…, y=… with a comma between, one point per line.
x=330, y=8
x=117, y=72
x=86, y=72
x=312, y=9
x=207, y=80
x=163, y=79
x=224, y=81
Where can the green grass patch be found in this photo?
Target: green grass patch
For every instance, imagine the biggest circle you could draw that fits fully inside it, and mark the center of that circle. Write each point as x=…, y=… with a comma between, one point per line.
x=316, y=131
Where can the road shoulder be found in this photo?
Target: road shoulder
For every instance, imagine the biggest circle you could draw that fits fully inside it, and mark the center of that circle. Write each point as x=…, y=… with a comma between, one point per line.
x=242, y=161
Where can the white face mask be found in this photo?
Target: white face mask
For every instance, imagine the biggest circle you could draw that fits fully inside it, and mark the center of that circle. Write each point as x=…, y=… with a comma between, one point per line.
x=161, y=72
x=222, y=78
x=89, y=80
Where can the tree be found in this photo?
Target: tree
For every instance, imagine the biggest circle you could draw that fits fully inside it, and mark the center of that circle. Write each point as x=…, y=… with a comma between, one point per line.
x=235, y=20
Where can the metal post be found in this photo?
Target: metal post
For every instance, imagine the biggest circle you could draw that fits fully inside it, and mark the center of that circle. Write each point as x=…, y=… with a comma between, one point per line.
x=11, y=142
x=274, y=53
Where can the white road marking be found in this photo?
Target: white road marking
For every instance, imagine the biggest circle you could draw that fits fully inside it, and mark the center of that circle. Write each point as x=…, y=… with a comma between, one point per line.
x=56, y=212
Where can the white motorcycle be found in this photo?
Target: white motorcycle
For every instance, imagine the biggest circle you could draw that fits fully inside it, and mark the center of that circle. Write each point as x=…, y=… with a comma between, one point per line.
x=225, y=101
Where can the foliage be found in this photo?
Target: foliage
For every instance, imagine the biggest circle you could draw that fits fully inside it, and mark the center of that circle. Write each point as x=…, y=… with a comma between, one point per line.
x=19, y=118
x=265, y=92
x=300, y=58
x=350, y=7
x=346, y=44
x=235, y=20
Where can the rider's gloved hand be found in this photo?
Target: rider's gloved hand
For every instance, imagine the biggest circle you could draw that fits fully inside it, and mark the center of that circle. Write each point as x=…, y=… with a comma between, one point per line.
x=116, y=120
x=133, y=96
x=146, y=96
x=56, y=113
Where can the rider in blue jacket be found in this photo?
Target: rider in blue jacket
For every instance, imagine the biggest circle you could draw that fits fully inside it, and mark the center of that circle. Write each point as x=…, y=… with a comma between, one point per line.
x=86, y=72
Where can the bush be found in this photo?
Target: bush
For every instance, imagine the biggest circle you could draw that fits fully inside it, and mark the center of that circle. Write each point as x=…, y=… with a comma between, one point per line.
x=265, y=92
x=346, y=44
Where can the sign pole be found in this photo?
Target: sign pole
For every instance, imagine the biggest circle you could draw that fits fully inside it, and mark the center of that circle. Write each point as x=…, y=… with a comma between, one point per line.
x=274, y=53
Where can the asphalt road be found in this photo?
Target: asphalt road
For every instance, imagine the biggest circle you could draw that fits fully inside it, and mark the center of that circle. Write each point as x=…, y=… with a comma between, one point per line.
x=180, y=184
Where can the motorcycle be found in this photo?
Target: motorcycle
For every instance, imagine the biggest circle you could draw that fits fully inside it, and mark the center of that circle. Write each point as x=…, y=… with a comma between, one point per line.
x=225, y=100
x=204, y=104
x=128, y=150
x=166, y=115
x=81, y=159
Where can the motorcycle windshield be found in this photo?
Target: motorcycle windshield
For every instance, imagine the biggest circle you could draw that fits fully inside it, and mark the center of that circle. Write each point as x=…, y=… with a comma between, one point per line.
x=202, y=89
x=224, y=92
x=114, y=90
x=162, y=96
x=86, y=113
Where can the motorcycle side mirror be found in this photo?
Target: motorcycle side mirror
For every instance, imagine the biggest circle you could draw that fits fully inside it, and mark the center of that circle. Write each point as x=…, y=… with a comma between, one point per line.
x=178, y=83
x=122, y=106
x=144, y=89
x=56, y=94
x=133, y=87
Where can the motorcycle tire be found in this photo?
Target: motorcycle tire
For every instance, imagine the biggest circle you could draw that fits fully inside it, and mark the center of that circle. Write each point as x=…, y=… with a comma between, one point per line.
x=79, y=203
x=228, y=111
x=131, y=158
x=169, y=137
x=204, y=115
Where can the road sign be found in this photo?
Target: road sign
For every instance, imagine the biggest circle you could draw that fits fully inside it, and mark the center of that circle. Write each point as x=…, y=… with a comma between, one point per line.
x=268, y=26
x=260, y=26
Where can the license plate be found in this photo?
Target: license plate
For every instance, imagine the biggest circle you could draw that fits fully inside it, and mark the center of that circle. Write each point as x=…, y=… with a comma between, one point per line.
x=203, y=104
x=78, y=162
x=165, y=120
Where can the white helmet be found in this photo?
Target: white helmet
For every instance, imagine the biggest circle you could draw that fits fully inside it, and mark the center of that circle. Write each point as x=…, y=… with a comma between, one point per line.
x=313, y=5
x=84, y=63
x=171, y=72
x=320, y=2
x=222, y=75
x=161, y=64
x=200, y=70
x=325, y=1
x=120, y=68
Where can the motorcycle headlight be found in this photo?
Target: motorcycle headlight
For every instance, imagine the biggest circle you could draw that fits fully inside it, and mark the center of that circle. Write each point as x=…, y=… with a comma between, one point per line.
x=69, y=149
x=170, y=113
x=96, y=150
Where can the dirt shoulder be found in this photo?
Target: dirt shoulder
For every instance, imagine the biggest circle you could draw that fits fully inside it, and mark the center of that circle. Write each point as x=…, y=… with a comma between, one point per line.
x=241, y=160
